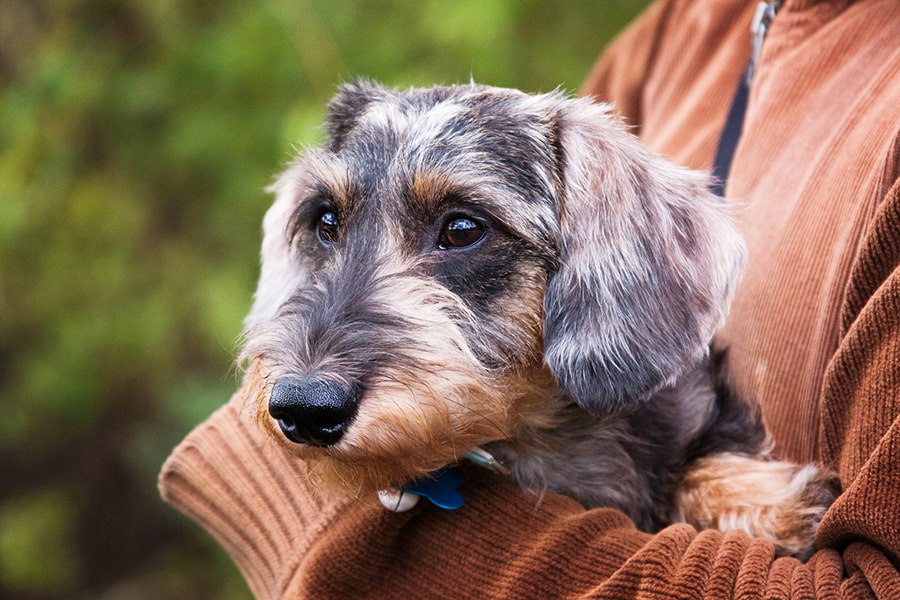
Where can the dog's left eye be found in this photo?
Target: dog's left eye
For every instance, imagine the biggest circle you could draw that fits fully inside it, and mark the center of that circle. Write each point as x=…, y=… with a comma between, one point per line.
x=327, y=227
x=460, y=232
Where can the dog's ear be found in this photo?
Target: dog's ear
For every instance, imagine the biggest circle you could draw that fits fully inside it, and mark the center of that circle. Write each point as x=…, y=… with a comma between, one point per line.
x=346, y=107
x=648, y=262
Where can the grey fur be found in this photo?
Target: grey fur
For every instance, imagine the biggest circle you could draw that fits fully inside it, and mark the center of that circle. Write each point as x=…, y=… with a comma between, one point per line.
x=601, y=263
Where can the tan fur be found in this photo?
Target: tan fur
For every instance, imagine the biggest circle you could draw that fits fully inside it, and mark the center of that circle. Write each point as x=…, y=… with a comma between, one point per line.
x=411, y=430
x=413, y=423
x=765, y=498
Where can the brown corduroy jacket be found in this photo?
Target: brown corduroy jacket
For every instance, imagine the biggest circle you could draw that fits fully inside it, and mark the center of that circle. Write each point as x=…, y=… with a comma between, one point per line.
x=814, y=336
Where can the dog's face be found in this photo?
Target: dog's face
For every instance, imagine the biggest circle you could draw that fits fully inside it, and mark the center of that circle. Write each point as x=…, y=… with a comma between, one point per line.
x=455, y=259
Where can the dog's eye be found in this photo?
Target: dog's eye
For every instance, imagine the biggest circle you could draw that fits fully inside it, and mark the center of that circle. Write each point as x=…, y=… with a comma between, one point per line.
x=460, y=232
x=327, y=227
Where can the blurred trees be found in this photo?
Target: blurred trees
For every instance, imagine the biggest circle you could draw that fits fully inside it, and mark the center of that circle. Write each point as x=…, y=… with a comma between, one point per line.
x=135, y=141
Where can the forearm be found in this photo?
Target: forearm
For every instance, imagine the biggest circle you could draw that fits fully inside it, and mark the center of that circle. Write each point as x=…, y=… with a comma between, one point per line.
x=291, y=541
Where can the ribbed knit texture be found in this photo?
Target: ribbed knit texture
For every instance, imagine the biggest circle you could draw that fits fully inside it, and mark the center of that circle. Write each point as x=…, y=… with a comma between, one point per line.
x=225, y=477
x=814, y=336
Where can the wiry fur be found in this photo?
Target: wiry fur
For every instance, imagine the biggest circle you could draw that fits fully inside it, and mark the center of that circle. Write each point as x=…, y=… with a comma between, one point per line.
x=571, y=339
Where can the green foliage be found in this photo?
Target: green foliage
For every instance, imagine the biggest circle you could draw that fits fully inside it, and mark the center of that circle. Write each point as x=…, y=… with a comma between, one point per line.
x=135, y=142
x=35, y=551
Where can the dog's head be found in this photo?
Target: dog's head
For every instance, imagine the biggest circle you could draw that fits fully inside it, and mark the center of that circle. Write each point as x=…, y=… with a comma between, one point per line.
x=447, y=248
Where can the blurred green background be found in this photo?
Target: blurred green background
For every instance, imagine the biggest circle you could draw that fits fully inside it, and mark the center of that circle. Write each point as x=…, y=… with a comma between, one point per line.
x=135, y=142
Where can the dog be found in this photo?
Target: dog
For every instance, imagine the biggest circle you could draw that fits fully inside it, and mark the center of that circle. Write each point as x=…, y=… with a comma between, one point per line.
x=473, y=267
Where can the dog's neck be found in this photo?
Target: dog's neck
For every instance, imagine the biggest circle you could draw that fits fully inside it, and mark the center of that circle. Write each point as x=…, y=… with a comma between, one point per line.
x=580, y=455
x=616, y=460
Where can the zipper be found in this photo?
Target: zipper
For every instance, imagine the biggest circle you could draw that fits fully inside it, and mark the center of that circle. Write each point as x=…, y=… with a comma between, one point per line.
x=734, y=124
x=762, y=19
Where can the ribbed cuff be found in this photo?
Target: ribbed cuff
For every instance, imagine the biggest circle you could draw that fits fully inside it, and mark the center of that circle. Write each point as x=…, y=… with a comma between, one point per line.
x=250, y=494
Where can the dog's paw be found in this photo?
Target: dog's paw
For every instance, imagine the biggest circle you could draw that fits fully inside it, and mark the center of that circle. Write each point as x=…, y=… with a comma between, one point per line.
x=775, y=500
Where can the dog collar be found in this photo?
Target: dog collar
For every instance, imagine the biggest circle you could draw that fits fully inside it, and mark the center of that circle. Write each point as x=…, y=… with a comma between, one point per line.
x=440, y=487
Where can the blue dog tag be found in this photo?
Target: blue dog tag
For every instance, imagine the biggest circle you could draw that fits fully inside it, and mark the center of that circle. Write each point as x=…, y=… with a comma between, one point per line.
x=440, y=488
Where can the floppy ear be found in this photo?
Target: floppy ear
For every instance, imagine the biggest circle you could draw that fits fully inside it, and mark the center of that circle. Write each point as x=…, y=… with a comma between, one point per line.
x=648, y=262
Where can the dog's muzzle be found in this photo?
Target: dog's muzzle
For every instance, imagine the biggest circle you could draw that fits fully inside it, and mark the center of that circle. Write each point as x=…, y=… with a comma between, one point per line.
x=316, y=413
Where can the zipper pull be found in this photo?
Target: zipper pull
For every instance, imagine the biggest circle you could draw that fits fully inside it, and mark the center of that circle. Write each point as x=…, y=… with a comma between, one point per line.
x=762, y=18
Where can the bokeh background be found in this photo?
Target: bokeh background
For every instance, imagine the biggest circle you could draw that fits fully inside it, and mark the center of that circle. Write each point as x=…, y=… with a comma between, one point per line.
x=135, y=142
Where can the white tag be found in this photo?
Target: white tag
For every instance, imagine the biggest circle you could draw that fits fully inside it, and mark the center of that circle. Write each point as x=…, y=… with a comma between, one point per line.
x=397, y=500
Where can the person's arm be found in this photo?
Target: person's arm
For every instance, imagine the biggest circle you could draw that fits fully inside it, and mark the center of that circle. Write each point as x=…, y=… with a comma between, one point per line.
x=861, y=398
x=291, y=541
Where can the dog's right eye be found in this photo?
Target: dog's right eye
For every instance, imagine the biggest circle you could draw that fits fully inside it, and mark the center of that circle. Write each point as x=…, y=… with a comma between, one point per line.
x=460, y=232
x=327, y=228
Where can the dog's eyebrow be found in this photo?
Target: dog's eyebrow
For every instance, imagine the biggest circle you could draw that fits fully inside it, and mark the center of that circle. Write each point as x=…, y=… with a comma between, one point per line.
x=327, y=188
x=310, y=205
x=424, y=191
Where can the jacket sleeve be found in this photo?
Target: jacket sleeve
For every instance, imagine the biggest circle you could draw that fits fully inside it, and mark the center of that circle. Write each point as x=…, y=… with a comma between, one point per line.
x=861, y=397
x=292, y=541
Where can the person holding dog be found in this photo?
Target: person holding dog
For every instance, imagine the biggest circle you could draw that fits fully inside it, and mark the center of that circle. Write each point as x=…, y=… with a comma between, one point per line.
x=811, y=152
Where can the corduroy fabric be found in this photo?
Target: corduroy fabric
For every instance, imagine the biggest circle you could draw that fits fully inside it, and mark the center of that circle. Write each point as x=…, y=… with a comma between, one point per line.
x=814, y=336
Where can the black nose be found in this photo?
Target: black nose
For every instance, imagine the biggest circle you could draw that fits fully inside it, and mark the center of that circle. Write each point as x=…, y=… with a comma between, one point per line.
x=312, y=412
